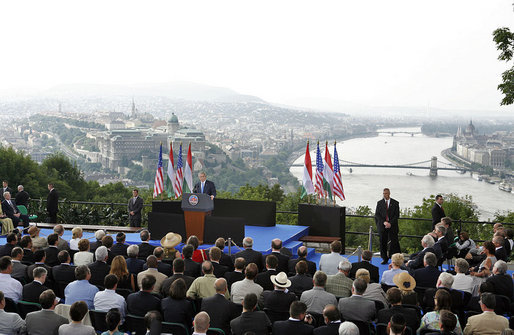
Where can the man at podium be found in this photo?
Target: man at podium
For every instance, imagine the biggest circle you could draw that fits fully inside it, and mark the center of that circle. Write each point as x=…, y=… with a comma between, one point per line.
x=205, y=186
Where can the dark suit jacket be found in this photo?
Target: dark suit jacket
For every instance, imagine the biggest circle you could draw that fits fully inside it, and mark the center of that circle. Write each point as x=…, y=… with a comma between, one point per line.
x=162, y=268
x=52, y=202
x=2, y=190
x=180, y=311
x=292, y=327
x=5, y=250
x=291, y=266
x=221, y=311
x=8, y=210
x=49, y=276
x=283, y=261
x=501, y=254
x=502, y=285
x=437, y=214
x=226, y=260
x=219, y=270
x=410, y=314
x=192, y=268
x=392, y=213
x=98, y=272
x=136, y=208
x=300, y=283
x=22, y=198
x=208, y=188
x=28, y=256
x=250, y=256
x=417, y=262
x=330, y=329
x=373, y=270
x=165, y=287
x=145, y=250
x=119, y=249
x=94, y=245
x=277, y=300
x=139, y=303
x=64, y=273
x=256, y=322
x=264, y=280
x=32, y=291
x=426, y=277
x=135, y=265
x=232, y=277
x=51, y=256
x=440, y=247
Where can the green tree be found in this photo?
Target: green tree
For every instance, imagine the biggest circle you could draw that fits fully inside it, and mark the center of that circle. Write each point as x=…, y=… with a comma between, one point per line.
x=504, y=40
x=506, y=217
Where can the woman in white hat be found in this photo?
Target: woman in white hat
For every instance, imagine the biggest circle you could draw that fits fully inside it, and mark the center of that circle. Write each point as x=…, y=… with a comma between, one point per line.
x=168, y=243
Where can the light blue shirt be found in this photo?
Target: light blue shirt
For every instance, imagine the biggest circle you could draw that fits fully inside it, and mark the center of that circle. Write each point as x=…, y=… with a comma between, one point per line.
x=11, y=287
x=387, y=276
x=80, y=290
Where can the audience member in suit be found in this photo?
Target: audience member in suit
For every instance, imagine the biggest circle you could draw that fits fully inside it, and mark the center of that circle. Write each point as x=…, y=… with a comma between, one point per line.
x=26, y=244
x=120, y=248
x=192, y=269
x=295, y=324
x=151, y=262
x=487, y=322
x=328, y=263
x=441, y=245
x=250, y=255
x=437, y=210
x=52, y=250
x=100, y=268
x=340, y=284
x=317, y=298
x=5, y=188
x=394, y=297
x=365, y=264
x=99, y=234
x=19, y=270
x=302, y=256
x=499, y=252
x=373, y=291
x=64, y=272
x=263, y=278
x=22, y=197
x=283, y=260
x=332, y=319
x=251, y=320
x=178, y=273
x=279, y=299
x=416, y=260
x=215, y=256
x=501, y=281
x=445, y=282
x=107, y=242
x=11, y=211
x=134, y=265
x=301, y=281
x=225, y=259
x=62, y=244
x=220, y=310
x=427, y=276
x=11, y=241
x=175, y=307
x=33, y=290
x=237, y=274
x=39, y=258
x=141, y=302
x=357, y=307
x=46, y=316
x=162, y=267
x=145, y=249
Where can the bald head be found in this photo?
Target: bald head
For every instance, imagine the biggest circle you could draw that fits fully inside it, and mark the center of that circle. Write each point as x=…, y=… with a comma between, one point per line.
x=302, y=251
x=276, y=244
x=220, y=285
x=201, y=322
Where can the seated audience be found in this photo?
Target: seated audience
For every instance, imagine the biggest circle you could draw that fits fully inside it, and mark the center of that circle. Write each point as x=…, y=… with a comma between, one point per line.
x=246, y=286
x=76, y=236
x=396, y=325
x=225, y=259
x=428, y=275
x=11, y=288
x=33, y=290
x=99, y=234
x=19, y=270
x=99, y=268
x=139, y=303
x=11, y=241
x=199, y=255
x=108, y=298
x=442, y=301
x=348, y=328
x=445, y=282
x=134, y=265
x=462, y=281
x=64, y=272
x=441, y=244
x=302, y=256
x=62, y=244
x=39, y=258
x=192, y=268
x=485, y=268
x=501, y=282
x=340, y=284
x=10, y=323
x=78, y=311
x=282, y=260
x=487, y=322
x=301, y=282
x=176, y=308
x=329, y=262
x=332, y=319
x=356, y=307
x=317, y=298
x=6, y=223
x=373, y=290
x=417, y=259
x=366, y=264
x=394, y=297
x=263, y=278
x=145, y=248
x=203, y=287
x=120, y=248
x=201, y=323
x=219, y=270
x=81, y=289
x=295, y=324
x=84, y=256
x=153, y=320
x=499, y=252
x=26, y=244
x=107, y=242
x=113, y=320
x=120, y=270
x=447, y=323
x=162, y=267
x=151, y=262
x=250, y=255
x=280, y=298
x=396, y=264
x=237, y=274
x=178, y=273
x=52, y=250
x=46, y=316
x=251, y=320
x=10, y=210
x=220, y=310
x=465, y=245
x=406, y=284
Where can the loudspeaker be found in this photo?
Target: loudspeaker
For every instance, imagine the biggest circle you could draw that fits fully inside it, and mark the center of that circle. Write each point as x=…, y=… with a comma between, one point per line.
x=216, y=226
x=323, y=220
x=159, y=224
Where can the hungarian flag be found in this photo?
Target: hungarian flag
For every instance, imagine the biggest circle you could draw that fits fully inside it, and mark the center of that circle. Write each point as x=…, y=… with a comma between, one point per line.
x=307, y=186
x=170, y=176
x=319, y=173
x=188, y=173
x=328, y=173
x=158, y=186
x=179, y=176
x=338, y=180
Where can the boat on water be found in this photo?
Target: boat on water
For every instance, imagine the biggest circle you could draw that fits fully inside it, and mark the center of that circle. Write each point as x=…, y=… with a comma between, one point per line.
x=410, y=174
x=504, y=186
x=479, y=178
x=489, y=181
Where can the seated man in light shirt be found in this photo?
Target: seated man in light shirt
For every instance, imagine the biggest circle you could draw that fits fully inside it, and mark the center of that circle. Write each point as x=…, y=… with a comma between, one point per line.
x=461, y=281
x=10, y=323
x=108, y=298
x=11, y=287
x=81, y=289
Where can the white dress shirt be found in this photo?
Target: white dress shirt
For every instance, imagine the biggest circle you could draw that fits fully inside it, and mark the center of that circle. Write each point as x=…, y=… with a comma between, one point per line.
x=462, y=282
x=83, y=258
x=107, y=299
x=11, y=287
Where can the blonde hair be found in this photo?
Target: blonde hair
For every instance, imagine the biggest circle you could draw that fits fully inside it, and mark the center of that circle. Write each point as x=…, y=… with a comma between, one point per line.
x=119, y=267
x=76, y=232
x=397, y=259
x=363, y=274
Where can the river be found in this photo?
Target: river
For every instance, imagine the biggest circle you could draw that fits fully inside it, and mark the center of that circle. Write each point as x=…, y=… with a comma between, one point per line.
x=364, y=185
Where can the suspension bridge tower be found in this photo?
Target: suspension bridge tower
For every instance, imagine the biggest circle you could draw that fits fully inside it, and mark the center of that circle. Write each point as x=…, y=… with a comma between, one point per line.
x=433, y=167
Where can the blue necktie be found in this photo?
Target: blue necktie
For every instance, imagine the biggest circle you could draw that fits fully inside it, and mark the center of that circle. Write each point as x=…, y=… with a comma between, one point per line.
x=202, y=187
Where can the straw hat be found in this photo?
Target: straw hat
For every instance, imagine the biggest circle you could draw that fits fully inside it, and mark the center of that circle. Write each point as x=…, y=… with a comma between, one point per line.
x=32, y=230
x=171, y=240
x=404, y=281
x=280, y=280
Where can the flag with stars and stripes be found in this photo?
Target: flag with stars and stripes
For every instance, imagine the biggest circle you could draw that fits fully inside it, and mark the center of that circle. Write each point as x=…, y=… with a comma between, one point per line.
x=319, y=173
x=338, y=180
x=179, y=176
x=158, y=186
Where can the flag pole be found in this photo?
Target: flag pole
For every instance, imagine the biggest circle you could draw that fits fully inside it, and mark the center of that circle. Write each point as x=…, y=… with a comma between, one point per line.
x=334, y=177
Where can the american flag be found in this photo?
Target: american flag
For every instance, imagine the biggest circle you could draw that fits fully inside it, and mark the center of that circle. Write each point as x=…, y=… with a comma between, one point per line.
x=179, y=176
x=158, y=186
x=319, y=174
x=338, y=181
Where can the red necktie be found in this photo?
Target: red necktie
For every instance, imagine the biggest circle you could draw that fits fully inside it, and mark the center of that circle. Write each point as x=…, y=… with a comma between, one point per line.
x=387, y=208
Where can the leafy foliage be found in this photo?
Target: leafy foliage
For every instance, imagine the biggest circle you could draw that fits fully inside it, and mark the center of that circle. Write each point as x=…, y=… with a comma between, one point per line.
x=504, y=40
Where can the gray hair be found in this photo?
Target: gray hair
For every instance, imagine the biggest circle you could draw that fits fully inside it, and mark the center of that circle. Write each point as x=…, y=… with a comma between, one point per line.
x=20, y=187
x=39, y=272
x=345, y=265
x=428, y=241
x=101, y=253
x=441, y=228
x=247, y=242
x=99, y=234
x=6, y=193
x=501, y=266
x=462, y=265
x=430, y=259
x=446, y=279
x=320, y=278
x=348, y=328
x=133, y=250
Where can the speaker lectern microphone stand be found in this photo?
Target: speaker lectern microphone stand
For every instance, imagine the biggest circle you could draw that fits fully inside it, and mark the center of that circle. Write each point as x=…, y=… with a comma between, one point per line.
x=196, y=206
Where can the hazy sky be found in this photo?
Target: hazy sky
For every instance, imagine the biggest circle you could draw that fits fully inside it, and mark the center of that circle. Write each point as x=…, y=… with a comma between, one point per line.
x=393, y=53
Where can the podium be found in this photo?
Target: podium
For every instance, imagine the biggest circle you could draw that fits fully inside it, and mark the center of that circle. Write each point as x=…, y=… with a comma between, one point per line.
x=196, y=206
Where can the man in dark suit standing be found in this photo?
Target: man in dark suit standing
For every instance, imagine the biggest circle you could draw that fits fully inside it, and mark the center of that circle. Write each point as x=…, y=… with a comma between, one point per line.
x=205, y=186
x=437, y=210
x=295, y=324
x=251, y=320
x=220, y=309
x=386, y=219
x=250, y=255
x=365, y=264
x=52, y=204
x=22, y=197
x=5, y=188
x=135, y=205
x=11, y=211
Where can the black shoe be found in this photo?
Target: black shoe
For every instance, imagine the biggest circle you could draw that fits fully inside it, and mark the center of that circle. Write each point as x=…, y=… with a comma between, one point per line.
x=385, y=261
